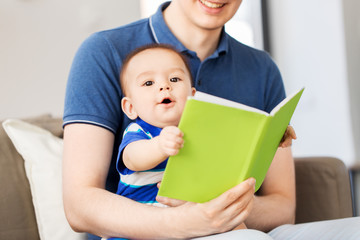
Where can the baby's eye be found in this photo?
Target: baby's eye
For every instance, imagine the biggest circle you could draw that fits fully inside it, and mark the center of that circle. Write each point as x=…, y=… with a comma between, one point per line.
x=174, y=79
x=148, y=83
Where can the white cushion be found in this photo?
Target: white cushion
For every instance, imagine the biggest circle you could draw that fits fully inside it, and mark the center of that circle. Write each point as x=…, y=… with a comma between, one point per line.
x=42, y=153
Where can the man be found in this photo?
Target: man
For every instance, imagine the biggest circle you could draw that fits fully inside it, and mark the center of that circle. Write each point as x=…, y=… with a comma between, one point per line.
x=93, y=125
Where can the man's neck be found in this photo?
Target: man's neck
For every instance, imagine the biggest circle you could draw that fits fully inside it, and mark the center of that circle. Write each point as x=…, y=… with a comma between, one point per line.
x=202, y=41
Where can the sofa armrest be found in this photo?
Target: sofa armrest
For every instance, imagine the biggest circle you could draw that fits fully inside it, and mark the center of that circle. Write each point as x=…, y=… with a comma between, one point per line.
x=322, y=189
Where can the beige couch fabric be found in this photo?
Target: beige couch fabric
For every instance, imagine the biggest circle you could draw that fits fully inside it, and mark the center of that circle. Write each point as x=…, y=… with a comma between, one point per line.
x=17, y=220
x=322, y=189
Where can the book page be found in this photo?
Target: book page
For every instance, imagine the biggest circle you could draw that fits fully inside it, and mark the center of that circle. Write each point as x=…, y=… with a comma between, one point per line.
x=283, y=102
x=200, y=96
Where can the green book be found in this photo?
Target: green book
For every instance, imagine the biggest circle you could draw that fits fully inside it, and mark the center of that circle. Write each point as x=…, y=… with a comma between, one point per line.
x=224, y=144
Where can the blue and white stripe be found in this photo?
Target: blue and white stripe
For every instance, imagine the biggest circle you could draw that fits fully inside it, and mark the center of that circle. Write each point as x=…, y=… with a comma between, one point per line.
x=140, y=186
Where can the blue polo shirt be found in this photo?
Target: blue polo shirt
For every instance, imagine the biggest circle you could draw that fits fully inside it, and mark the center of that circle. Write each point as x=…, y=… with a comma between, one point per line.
x=93, y=95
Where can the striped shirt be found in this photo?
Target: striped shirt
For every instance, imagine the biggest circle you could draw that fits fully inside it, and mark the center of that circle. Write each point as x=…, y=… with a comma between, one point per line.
x=140, y=186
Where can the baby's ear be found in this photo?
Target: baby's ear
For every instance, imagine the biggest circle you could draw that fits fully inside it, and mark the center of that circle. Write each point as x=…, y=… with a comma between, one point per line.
x=193, y=91
x=128, y=108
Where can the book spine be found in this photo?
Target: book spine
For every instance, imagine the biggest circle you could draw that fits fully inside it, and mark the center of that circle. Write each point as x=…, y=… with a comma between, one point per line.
x=255, y=150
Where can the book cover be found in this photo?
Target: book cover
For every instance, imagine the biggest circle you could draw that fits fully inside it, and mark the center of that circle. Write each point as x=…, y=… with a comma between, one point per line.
x=224, y=144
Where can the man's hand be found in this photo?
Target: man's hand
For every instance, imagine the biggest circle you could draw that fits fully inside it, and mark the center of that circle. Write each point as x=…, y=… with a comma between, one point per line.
x=224, y=213
x=289, y=135
x=171, y=140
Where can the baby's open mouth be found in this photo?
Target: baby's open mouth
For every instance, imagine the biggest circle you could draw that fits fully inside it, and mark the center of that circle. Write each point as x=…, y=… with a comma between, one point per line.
x=166, y=101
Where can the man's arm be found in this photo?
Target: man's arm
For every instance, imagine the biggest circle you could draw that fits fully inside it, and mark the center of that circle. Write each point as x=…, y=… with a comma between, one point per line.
x=276, y=201
x=90, y=208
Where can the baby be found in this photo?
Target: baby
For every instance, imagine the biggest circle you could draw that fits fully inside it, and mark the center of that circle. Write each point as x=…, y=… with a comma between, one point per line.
x=156, y=82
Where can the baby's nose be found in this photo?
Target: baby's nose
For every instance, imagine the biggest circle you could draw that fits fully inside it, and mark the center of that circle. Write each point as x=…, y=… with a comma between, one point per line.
x=165, y=88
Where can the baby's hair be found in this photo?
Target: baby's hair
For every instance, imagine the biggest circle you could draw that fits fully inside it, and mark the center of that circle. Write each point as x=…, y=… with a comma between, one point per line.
x=151, y=46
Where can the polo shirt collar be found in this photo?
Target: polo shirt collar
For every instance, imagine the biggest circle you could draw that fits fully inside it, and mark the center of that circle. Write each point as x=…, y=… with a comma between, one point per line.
x=223, y=44
x=162, y=33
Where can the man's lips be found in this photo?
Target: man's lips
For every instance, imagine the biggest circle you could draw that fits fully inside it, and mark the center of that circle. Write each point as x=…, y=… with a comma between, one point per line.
x=212, y=4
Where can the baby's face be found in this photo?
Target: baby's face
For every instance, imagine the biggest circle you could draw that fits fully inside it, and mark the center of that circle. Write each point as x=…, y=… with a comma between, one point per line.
x=158, y=83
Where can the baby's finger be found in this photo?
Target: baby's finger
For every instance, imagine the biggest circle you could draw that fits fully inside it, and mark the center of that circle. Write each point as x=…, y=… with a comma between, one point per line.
x=179, y=141
x=171, y=151
x=175, y=130
x=174, y=143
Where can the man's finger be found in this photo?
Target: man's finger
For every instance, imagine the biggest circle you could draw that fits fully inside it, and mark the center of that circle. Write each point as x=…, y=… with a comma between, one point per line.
x=169, y=201
x=228, y=197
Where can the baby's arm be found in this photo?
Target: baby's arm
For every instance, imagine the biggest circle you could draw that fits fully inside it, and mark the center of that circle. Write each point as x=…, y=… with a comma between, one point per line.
x=289, y=135
x=146, y=154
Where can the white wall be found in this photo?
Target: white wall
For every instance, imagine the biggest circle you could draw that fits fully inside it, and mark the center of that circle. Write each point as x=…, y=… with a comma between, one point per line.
x=308, y=43
x=246, y=25
x=38, y=40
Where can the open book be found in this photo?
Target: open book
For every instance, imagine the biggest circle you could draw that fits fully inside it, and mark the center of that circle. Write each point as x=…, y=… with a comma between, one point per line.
x=225, y=143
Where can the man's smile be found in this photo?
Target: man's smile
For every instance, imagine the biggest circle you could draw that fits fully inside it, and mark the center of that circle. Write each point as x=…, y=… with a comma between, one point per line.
x=212, y=4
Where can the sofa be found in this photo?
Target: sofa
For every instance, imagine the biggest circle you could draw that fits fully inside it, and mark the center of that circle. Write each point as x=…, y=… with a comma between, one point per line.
x=322, y=188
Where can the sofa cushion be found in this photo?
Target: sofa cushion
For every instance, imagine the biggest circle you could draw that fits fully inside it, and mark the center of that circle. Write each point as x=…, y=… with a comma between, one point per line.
x=42, y=152
x=17, y=219
x=17, y=212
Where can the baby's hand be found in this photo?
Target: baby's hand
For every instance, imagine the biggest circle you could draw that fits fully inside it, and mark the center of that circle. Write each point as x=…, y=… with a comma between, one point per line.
x=171, y=140
x=289, y=135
